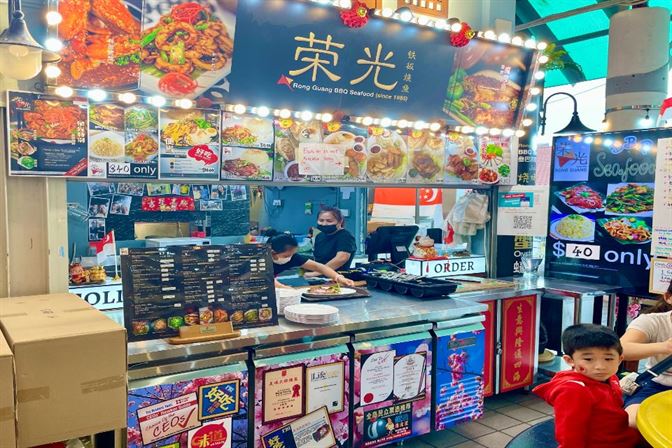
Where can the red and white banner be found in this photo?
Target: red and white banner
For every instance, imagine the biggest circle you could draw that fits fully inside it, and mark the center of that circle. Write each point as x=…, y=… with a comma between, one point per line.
x=107, y=247
x=398, y=205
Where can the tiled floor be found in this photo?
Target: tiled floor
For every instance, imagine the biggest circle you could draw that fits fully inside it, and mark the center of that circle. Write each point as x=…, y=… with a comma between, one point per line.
x=505, y=417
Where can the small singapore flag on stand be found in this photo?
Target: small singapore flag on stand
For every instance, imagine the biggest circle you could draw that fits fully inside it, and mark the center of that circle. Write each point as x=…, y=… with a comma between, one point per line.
x=107, y=247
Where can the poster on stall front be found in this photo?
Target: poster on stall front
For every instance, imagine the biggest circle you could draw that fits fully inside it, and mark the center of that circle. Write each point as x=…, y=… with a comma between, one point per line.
x=310, y=431
x=47, y=135
x=522, y=210
x=458, y=393
x=190, y=144
x=289, y=387
x=392, y=398
x=661, y=239
x=123, y=141
x=187, y=48
x=105, y=55
x=661, y=275
x=205, y=408
x=601, y=207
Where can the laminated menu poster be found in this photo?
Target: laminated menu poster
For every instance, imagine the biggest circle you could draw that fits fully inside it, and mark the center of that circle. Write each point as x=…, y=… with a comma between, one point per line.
x=289, y=135
x=310, y=431
x=247, y=151
x=123, y=141
x=288, y=387
x=47, y=135
x=392, y=386
x=459, y=385
x=462, y=159
x=388, y=156
x=498, y=160
x=190, y=144
x=602, y=200
x=166, y=288
x=204, y=408
x=426, y=153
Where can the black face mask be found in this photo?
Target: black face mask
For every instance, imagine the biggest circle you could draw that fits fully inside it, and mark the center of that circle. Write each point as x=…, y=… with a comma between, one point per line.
x=327, y=229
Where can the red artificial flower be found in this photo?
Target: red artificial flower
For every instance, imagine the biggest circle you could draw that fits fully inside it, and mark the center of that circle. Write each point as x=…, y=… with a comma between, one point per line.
x=357, y=16
x=463, y=37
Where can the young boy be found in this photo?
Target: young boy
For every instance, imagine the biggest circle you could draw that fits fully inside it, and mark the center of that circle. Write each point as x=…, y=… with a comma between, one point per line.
x=587, y=400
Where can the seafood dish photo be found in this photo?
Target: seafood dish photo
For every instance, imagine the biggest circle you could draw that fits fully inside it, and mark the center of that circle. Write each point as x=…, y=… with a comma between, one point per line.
x=141, y=118
x=142, y=148
x=387, y=157
x=495, y=157
x=355, y=153
x=573, y=228
x=57, y=120
x=627, y=230
x=462, y=158
x=581, y=198
x=247, y=131
x=101, y=43
x=246, y=164
x=426, y=156
x=630, y=199
x=188, y=129
x=107, y=116
x=187, y=50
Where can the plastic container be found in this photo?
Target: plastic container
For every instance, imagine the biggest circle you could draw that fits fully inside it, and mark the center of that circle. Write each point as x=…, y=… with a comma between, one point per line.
x=285, y=297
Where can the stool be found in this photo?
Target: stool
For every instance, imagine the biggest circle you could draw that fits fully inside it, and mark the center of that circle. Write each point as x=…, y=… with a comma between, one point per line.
x=541, y=435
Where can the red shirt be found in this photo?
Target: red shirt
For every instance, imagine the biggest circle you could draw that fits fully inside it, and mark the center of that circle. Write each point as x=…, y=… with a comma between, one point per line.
x=588, y=413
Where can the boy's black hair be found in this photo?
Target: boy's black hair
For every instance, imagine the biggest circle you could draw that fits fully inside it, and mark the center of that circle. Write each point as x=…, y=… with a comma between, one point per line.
x=581, y=336
x=283, y=242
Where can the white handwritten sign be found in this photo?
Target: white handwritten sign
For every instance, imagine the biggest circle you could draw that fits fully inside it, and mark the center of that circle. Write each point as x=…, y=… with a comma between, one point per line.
x=321, y=159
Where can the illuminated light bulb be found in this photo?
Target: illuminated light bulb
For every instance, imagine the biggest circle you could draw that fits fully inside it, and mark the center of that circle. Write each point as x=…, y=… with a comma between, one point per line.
x=530, y=43
x=456, y=27
x=517, y=40
x=495, y=132
x=527, y=122
x=387, y=12
x=53, y=44
x=508, y=132
x=402, y=124
x=434, y=127
x=285, y=113
x=419, y=125
x=422, y=20
x=577, y=138
x=52, y=71
x=481, y=130
x=306, y=115
x=588, y=140
x=543, y=59
x=345, y=4
x=97, y=95
x=608, y=142
x=505, y=38
x=406, y=15
x=441, y=25
x=385, y=122
x=327, y=117
x=490, y=35
x=531, y=107
x=535, y=91
x=520, y=133
x=618, y=144
x=263, y=111
x=184, y=103
x=646, y=121
x=541, y=46
x=157, y=101
x=367, y=121
x=539, y=75
x=64, y=91
x=239, y=109
x=54, y=18
x=127, y=97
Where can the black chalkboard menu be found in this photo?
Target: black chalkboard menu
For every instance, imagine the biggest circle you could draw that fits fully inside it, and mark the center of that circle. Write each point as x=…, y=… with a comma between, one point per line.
x=168, y=287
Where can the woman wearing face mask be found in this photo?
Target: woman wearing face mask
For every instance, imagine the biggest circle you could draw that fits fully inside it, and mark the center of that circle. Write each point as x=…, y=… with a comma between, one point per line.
x=334, y=246
x=283, y=251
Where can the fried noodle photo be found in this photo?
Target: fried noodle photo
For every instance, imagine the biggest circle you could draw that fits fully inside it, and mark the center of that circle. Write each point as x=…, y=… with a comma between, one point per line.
x=628, y=230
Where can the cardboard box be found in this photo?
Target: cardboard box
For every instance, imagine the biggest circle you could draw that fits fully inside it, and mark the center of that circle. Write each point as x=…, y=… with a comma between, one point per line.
x=7, y=420
x=70, y=368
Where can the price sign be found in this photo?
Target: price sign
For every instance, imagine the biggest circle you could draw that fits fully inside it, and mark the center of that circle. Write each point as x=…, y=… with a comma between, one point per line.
x=118, y=169
x=583, y=251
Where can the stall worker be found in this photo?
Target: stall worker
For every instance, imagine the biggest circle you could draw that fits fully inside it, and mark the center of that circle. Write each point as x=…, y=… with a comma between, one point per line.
x=334, y=246
x=650, y=336
x=284, y=253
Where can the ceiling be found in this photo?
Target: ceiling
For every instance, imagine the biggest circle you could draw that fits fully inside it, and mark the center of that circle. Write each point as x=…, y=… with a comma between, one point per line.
x=585, y=37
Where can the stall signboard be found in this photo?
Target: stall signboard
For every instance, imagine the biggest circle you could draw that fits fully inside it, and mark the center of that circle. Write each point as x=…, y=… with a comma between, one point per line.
x=458, y=378
x=47, y=135
x=295, y=392
x=165, y=288
x=392, y=389
x=602, y=201
x=108, y=296
x=123, y=141
x=447, y=267
x=519, y=330
x=205, y=408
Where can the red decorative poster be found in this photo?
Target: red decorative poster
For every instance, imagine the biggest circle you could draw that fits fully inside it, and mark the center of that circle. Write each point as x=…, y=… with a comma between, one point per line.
x=168, y=204
x=489, y=322
x=518, y=342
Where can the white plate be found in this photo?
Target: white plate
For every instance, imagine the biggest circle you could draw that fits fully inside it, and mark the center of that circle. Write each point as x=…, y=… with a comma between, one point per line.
x=343, y=292
x=311, y=309
x=112, y=135
x=558, y=236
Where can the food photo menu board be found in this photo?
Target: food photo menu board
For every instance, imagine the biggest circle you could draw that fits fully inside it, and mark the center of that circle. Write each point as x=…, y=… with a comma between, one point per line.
x=602, y=198
x=167, y=288
x=392, y=384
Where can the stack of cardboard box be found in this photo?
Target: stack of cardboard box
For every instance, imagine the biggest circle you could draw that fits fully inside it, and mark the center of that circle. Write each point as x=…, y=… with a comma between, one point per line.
x=67, y=372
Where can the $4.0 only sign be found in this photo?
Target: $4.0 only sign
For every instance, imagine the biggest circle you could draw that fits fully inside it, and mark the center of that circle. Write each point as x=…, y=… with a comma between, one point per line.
x=594, y=252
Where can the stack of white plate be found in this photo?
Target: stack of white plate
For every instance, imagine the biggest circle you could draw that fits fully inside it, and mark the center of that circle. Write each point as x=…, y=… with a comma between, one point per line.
x=311, y=313
x=286, y=296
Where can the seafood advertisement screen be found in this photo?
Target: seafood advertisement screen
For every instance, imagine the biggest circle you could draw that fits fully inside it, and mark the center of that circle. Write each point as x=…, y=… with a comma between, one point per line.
x=167, y=288
x=47, y=135
x=602, y=191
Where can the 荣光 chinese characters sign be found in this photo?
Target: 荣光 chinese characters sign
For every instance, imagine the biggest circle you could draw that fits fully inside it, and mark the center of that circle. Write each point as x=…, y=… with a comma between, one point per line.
x=300, y=56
